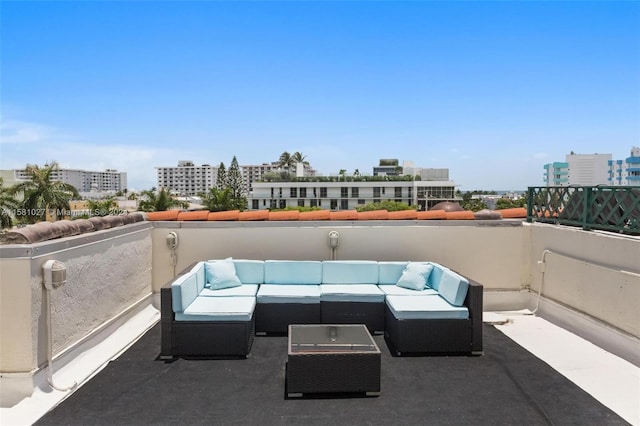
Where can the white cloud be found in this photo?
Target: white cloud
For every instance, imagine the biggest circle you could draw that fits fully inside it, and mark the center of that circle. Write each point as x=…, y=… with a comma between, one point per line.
x=16, y=131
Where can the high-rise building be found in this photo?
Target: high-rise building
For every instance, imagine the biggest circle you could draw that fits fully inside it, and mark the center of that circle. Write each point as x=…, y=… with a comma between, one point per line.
x=187, y=178
x=84, y=180
x=578, y=169
x=627, y=171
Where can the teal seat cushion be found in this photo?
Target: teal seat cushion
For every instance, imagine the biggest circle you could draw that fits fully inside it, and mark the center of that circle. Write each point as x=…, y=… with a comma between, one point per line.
x=199, y=271
x=415, y=276
x=292, y=272
x=241, y=290
x=453, y=287
x=389, y=272
x=249, y=271
x=351, y=293
x=219, y=309
x=394, y=290
x=183, y=291
x=287, y=293
x=435, y=276
x=350, y=272
x=424, y=307
x=221, y=274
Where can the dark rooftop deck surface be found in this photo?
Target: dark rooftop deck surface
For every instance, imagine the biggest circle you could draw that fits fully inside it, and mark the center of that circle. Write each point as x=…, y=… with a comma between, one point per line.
x=506, y=386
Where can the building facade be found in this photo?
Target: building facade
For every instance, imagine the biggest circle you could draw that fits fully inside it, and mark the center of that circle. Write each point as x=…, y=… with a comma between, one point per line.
x=346, y=195
x=84, y=180
x=186, y=178
x=578, y=169
x=627, y=171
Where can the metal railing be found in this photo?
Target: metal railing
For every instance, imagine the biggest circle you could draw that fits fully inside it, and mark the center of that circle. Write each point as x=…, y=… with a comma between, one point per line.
x=608, y=208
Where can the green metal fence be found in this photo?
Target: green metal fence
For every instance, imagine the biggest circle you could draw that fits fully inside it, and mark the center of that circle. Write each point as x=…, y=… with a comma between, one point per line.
x=609, y=208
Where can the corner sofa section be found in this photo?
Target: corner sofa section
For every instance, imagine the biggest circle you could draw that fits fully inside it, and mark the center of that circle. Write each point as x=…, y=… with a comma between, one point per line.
x=443, y=314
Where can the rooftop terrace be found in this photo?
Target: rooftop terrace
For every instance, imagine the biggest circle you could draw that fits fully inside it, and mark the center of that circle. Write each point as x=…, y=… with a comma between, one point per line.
x=582, y=286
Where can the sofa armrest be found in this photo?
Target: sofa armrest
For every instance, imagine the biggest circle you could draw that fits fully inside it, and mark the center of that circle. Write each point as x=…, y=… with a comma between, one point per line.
x=474, y=303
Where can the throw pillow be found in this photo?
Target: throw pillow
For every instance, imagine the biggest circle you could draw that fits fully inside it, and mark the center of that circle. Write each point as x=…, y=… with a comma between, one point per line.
x=222, y=274
x=415, y=276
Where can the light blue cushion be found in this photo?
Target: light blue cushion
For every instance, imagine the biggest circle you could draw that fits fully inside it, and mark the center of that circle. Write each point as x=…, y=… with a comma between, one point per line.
x=221, y=274
x=415, y=276
x=183, y=291
x=424, y=307
x=292, y=272
x=394, y=290
x=435, y=276
x=351, y=293
x=350, y=272
x=249, y=271
x=219, y=309
x=198, y=270
x=287, y=293
x=453, y=287
x=241, y=290
x=389, y=272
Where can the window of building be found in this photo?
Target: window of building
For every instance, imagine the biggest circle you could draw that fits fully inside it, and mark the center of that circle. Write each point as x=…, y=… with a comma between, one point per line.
x=293, y=192
x=344, y=204
x=398, y=191
x=334, y=204
x=361, y=201
x=355, y=192
x=376, y=200
x=323, y=192
x=255, y=204
x=283, y=204
x=376, y=191
x=313, y=202
x=344, y=192
x=303, y=192
x=300, y=203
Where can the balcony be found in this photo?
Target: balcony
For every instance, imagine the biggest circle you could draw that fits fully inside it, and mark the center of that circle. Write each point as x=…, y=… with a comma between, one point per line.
x=566, y=295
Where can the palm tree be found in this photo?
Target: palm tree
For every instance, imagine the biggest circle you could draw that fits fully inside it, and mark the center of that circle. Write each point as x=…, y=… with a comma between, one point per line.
x=218, y=200
x=8, y=206
x=158, y=201
x=298, y=158
x=286, y=161
x=41, y=193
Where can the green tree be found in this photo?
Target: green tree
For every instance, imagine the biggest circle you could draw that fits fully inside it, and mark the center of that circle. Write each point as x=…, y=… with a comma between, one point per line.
x=8, y=205
x=286, y=161
x=158, y=201
x=217, y=200
x=234, y=182
x=221, y=179
x=342, y=174
x=101, y=207
x=506, y=203
x=473, y=204
x=299, y=158
x=40, y=193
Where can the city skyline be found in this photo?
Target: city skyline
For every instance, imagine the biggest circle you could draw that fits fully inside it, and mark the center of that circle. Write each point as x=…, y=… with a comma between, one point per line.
x=490, y=90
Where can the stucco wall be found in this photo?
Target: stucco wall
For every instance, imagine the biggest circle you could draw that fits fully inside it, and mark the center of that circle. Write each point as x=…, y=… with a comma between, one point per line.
x=490, y=254
x=107, y=272
x=596, y=273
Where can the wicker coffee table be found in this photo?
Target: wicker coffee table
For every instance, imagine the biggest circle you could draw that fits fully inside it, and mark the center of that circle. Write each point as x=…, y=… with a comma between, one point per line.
x=327, y=358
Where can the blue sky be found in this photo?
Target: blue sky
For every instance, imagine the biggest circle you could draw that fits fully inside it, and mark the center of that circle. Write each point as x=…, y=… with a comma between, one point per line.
x=490, y=90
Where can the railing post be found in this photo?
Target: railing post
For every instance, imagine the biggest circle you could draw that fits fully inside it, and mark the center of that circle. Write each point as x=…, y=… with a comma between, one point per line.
x=587, y=200
x=530, y=204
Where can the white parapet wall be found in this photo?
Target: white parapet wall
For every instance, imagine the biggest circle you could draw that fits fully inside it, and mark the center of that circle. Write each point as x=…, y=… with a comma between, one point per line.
x=108, y=272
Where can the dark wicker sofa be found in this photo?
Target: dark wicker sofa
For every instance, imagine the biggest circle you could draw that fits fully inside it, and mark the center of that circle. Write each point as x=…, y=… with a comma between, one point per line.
x=231, y=337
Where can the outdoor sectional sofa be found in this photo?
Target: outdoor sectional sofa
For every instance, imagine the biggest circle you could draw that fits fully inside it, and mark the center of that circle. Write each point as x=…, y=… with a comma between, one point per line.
x=215, y=308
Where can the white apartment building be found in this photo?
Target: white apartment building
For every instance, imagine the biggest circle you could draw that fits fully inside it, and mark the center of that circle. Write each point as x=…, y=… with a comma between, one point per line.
x=84, y=180
x=336, y=194
x=627, y=171
x=579, y=169
x=187, y=178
